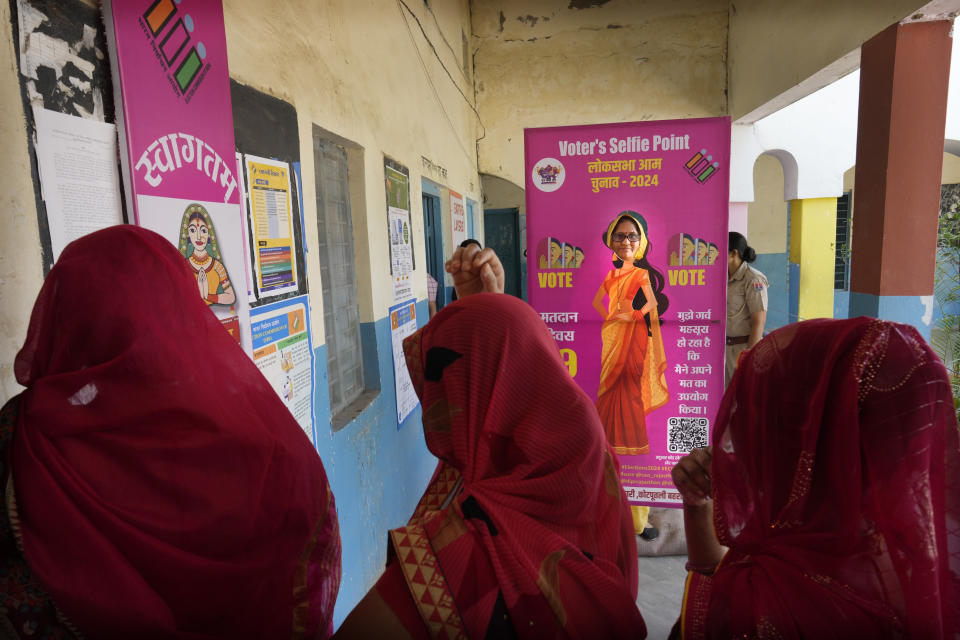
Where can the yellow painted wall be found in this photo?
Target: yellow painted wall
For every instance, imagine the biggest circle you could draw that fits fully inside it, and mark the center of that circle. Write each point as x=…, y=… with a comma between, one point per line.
x=767, y=214
x=542, y=63
x=813, y=224
x=21, y=272
x=951, y=166
x=775, y=45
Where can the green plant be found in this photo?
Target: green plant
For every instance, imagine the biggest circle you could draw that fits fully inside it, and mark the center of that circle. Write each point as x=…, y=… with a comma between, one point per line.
x=945, y=334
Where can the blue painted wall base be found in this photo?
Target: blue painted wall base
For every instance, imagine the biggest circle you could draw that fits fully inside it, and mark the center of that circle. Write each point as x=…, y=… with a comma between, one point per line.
x=915, y=310
x=774, y=266
x=793, y=271
x=377, y=470
x=841, y=304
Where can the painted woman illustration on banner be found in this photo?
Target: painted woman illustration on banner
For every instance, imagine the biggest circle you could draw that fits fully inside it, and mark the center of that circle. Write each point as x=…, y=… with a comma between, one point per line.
x=632, y=376
x=198, y=244
x=688, y=251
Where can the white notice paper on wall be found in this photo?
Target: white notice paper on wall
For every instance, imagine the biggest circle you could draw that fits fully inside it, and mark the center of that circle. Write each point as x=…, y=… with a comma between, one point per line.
x=79, y=178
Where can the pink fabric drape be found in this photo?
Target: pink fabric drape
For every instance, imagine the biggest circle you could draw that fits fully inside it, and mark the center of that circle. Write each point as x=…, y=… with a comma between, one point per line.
x=500, y=408
x=163, y=489
x=835, y=480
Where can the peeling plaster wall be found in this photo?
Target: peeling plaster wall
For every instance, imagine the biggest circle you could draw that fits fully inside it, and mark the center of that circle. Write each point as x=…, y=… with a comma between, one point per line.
x=21, y=268
x=555, y=62
x=774, y=46
x=354, y=68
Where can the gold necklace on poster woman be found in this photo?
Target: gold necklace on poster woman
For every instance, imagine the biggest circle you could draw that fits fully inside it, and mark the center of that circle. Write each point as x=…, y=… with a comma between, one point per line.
x=200, y=264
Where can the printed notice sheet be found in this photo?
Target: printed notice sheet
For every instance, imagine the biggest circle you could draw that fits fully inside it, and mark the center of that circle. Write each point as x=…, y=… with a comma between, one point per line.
x=403, y=322
x=274, y=253
x=79, y=178
x=283, y=352
x=401, y=235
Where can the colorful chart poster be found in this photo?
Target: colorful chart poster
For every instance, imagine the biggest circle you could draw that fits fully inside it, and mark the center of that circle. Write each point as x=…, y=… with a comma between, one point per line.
x=169, y=63
x=626, y=233
x=403, y=322
x=283, y=352
x=401, y=236
x=274, y=251
x=458, y=219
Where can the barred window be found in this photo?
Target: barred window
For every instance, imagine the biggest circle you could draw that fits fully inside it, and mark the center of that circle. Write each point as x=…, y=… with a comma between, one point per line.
x=337, y=267
x=841, y=269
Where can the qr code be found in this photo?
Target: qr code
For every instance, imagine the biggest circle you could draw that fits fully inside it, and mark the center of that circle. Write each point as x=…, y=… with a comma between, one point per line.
x=684, y=434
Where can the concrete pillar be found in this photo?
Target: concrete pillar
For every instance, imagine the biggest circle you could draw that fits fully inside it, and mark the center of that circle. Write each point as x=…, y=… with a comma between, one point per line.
x=813, y=229
x=903, y=101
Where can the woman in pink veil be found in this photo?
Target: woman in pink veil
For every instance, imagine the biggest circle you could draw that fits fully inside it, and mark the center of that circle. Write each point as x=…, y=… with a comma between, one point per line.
x=833, y=484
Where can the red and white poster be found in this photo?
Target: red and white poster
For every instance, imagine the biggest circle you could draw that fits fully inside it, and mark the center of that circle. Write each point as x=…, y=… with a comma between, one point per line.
x=458, y=219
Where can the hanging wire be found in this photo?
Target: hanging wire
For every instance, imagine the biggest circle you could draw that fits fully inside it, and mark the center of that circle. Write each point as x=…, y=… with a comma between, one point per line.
x=444, y=38
x=401, y=5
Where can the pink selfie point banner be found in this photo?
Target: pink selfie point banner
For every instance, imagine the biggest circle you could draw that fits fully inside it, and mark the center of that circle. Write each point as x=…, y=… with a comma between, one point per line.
x=626, y=240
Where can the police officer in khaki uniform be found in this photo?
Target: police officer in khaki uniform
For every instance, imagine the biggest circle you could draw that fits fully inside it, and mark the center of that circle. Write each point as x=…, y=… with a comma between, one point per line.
x=746, y=302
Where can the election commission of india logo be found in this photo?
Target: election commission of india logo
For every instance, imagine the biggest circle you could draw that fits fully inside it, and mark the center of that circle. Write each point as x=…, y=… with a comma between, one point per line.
x=548, y=174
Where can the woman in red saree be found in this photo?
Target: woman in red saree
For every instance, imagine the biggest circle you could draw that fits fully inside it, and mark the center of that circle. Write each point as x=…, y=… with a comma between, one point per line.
x=834, y=483
x=633, y=367
x=155, y=485
x=524, y=530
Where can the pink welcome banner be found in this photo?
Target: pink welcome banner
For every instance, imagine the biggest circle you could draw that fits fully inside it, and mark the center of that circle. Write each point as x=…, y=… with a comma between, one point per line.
x=626, y=246
x=177, y=124
x=170, y=74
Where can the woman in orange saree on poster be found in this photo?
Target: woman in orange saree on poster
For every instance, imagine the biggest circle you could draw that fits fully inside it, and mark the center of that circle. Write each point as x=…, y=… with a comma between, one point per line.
x=632, y=377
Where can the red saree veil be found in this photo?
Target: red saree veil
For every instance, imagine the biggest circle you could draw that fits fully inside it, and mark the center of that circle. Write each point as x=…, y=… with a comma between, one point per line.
x=538, y=493
x=162, y=488
x=835, y=487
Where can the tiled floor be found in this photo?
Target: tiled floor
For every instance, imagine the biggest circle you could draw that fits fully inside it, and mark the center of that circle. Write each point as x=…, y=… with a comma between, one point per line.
x=661, y=593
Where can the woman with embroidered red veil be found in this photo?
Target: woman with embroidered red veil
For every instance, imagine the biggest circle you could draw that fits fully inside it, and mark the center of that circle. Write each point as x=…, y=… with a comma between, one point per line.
x=828, y=505
x=524, y=531
x=155, y=486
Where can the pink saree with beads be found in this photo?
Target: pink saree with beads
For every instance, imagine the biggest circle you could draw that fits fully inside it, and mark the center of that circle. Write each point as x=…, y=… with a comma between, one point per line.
x=835, y=485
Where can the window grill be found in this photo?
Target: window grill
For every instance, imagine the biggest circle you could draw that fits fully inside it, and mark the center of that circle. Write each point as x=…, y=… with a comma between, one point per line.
x=341, y=317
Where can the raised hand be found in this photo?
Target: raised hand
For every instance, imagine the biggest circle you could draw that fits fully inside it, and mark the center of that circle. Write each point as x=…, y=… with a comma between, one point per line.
x=475, y=270
x=691, y=476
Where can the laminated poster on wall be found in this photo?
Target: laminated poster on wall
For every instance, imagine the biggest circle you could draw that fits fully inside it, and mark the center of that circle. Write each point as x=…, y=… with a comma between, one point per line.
x=401, y=235
x=169, y=64
x=627, y=234
x=247, y=259
x=403, y=322
x=283, y=351
x=271, y=223
x=458, y=219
